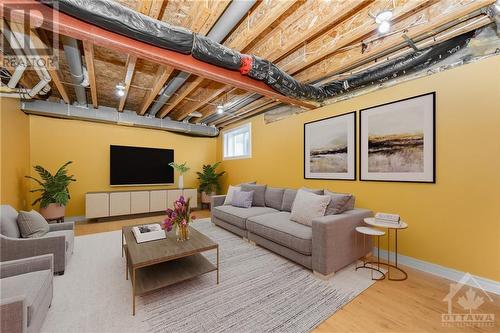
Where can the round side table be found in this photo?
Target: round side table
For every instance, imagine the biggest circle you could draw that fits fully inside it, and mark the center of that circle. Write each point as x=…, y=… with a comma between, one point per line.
x=365, y=231
x=390, y=227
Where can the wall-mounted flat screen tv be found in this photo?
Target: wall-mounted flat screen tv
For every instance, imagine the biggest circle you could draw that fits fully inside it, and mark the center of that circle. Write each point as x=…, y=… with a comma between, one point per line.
x=140, y=166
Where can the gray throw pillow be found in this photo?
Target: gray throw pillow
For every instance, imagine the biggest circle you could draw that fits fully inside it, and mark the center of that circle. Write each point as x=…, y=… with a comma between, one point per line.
x=288, y=199
x=259, y=193
x=339, y=202
x=242, y=199
x=32, y=224
x=274, y=197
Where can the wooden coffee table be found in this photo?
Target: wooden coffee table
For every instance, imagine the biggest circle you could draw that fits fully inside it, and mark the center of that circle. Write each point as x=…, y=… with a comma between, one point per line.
x=157, y=264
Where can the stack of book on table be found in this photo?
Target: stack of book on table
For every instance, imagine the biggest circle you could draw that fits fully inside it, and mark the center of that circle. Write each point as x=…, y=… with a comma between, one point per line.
x=387, y=218
x=148, y=232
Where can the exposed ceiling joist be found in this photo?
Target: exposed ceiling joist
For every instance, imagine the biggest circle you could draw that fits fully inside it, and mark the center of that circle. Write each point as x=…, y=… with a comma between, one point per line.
x=257, y=22
x=67, y=25
x=143, y=7
x=162, y=76
x=311, y=19
x=88, y=50
x=129, y=74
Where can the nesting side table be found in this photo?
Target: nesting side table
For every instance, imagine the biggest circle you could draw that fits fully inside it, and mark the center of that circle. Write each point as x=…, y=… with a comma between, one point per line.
x=366, y=231
x=390, y=227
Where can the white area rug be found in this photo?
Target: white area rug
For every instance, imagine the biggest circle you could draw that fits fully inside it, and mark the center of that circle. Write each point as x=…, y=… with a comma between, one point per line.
x=259, y=292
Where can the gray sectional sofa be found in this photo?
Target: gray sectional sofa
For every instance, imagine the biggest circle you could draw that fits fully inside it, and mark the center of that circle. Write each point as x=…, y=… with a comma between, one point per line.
x=327, y=246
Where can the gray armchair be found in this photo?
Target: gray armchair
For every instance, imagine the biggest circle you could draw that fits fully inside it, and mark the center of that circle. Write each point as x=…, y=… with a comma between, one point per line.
x=26, y=287
x=58, y=241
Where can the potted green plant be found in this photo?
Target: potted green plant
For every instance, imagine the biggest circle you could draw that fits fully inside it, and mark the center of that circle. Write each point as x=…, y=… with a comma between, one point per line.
x=209, y=181
x=181, y=169
x=54, y=193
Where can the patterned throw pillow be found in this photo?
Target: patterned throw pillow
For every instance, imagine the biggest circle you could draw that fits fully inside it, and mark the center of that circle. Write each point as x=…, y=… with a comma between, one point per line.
x=308, y=206
x=32, y=224
x=242, y=199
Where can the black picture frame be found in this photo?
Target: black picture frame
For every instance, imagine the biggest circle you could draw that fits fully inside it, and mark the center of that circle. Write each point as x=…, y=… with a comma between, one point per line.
x=434, y=139
x=354, y=146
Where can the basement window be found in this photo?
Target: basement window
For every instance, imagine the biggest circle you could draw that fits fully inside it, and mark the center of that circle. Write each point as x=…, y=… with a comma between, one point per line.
x=238, y=142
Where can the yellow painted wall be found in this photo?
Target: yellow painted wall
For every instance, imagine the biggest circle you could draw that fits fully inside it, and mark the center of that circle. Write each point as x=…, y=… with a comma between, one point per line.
x=455, y=222
x=55, y=141
x=14, y=126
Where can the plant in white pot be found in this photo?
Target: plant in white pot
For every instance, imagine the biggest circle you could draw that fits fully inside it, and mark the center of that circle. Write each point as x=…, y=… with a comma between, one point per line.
x=209, y=181
x=54, y=193
x=181, y=169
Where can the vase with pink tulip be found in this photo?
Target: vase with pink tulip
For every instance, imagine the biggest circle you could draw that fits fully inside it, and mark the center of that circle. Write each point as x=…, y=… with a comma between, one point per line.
x=179, y=217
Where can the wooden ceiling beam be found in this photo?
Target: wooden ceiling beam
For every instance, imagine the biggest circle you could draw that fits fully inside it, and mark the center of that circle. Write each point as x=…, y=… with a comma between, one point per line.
x=198, y=105
x=307, y=22
x=129, y=74
x=436, y=15
x=266, y=13
x=161, y=77
x=178, y=98
x=88, y=49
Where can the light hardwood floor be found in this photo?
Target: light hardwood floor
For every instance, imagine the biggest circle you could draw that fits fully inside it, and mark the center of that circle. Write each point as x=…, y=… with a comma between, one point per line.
x=414, y=305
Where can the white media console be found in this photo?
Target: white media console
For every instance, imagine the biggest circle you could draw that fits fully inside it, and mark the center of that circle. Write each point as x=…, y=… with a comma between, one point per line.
x=116, y=203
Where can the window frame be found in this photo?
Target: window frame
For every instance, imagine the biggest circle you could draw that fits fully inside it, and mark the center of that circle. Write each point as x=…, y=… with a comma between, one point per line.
x=234, y=129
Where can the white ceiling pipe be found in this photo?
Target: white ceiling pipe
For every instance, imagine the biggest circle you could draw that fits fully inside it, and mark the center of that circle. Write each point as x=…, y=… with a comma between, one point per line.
x=74, y=60
x=225, y=24
x=23, y=61
x=16, y=39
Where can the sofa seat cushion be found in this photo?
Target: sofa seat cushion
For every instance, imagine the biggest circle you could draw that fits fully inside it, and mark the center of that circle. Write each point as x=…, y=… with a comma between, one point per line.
x=68, y=235
x=237, y=216
x=33, y=286
x=280, y=229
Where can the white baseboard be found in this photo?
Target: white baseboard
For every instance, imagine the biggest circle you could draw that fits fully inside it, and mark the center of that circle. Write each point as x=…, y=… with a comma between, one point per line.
x=445, y=272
